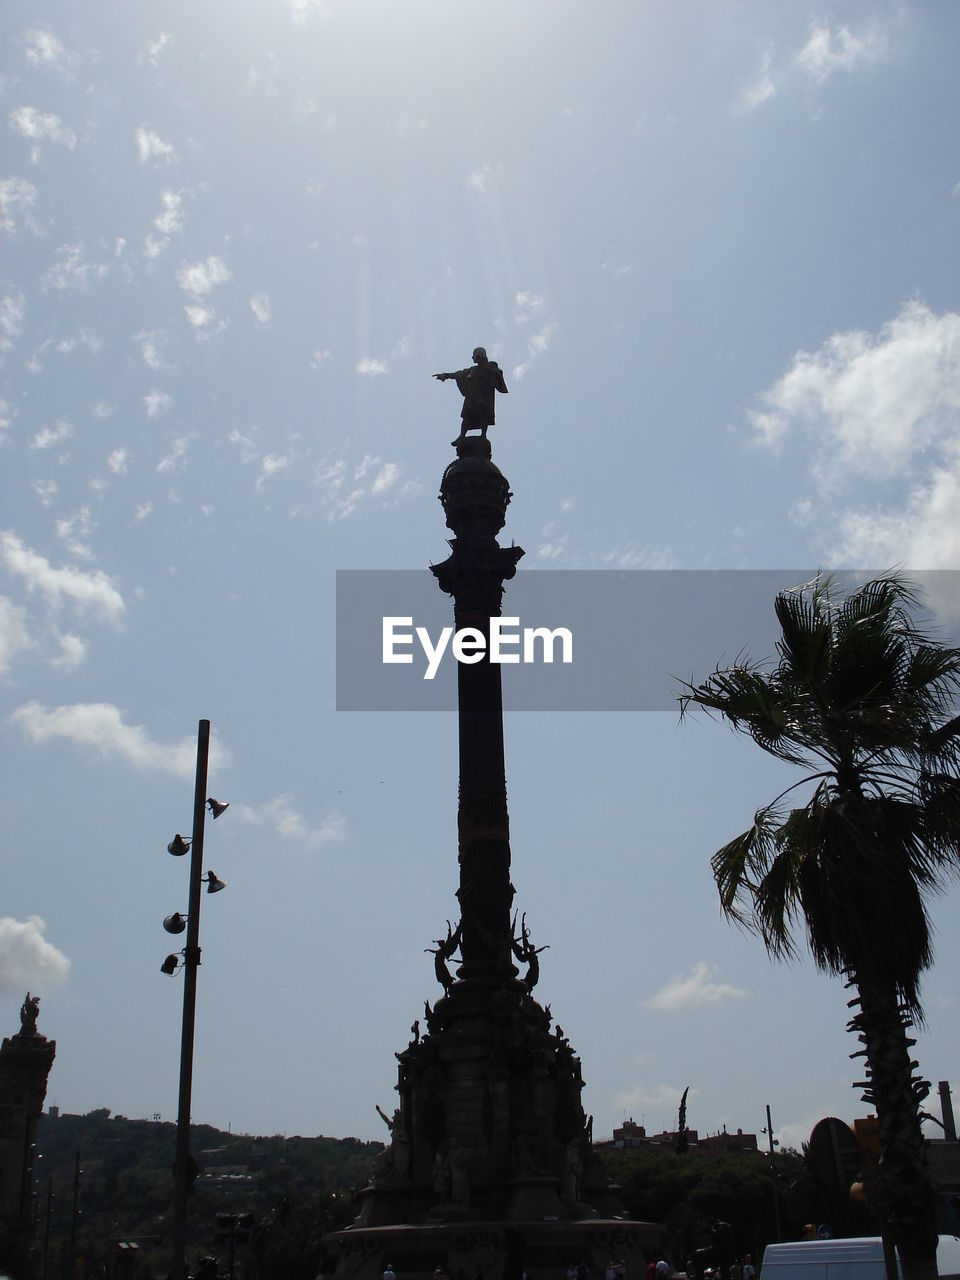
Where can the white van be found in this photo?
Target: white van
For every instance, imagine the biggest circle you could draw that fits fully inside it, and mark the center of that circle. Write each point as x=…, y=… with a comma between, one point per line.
x=849, y=1259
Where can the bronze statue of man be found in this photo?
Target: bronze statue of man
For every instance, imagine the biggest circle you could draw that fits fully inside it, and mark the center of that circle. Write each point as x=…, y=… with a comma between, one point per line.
x=478, y=385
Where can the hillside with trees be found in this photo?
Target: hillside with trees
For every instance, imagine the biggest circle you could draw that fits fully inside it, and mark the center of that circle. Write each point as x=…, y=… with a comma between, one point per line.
x=296, y=1188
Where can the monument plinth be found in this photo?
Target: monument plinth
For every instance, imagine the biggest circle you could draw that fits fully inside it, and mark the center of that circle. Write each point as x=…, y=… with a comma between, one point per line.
x=490, y=1166
x=25, y=1062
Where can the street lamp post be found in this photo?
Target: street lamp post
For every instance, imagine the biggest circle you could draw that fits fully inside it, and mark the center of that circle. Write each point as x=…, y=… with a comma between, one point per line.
x=191, y=961
x=773, y=1172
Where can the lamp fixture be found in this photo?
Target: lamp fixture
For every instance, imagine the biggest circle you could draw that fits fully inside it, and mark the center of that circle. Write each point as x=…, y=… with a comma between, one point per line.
x=175, y=923
x=216, y=807
x=171, y=964
x=178, y=846
x=213, y=882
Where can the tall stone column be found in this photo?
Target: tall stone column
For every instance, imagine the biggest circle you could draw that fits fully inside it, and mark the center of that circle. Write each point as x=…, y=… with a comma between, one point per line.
x=475, y=495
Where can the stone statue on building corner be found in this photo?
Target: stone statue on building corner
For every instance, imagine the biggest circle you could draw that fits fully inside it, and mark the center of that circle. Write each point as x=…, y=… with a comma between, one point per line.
x=28, y=1015
x=478, y=385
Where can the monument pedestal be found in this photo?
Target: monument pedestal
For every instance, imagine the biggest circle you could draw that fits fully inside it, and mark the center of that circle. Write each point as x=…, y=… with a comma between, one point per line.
x=25, y=1062
x=545, y=1248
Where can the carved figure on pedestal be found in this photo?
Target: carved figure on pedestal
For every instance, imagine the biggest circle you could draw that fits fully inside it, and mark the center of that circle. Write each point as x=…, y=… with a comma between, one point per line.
x=527, y=953
x=459, y=1178
x=443, y=951
x=572, y=1174
x=441, y=1178
x=478, y=385
x=396, y=1158
x=391, y=1124
x=430, y=1017
x=28, y=1015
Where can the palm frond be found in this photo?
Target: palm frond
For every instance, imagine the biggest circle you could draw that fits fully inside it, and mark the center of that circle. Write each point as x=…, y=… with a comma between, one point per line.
x=805, y=643
x=747, y=697
x=741, y=863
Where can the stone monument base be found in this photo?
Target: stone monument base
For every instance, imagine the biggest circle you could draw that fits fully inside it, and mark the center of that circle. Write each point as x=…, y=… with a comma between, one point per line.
x=467, y=1250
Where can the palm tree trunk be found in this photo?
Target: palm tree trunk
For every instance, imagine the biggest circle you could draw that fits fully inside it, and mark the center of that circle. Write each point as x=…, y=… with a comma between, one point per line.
x=904, y=1196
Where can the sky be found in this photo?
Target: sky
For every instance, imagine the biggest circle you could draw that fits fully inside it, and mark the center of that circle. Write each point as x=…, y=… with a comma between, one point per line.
x=714, y=249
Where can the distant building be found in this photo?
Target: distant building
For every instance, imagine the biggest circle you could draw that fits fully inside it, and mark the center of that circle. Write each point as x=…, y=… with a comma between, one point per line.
x=631, y=1136
x=728, y=1143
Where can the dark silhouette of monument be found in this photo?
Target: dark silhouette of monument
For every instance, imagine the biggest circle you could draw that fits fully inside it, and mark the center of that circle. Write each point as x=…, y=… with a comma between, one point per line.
x=490, y=1165
x=25, y=1062
x=478, y=386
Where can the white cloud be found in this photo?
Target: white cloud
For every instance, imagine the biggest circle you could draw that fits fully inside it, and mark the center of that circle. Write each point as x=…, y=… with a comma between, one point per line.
x=386, y=478
x=537, y=344
x=330, y=478
x=17, y=200
x=260, y=306
x=369, y=367
x=13, y=632
x=117, y=461
x=11, y=318
x=40, y=125
x=85, y=338
x=280, y=815
x=170, y=218
x=150, y=146
x=27, y=961
x=270, y=464
x=157, y=402
x=300, y=10
x=618, y=270
x=174, y=458
x=45, y=49
x=528, y=305
x=72, y=272
x=872, y=401
x=408, y=126
x=48, y=436
x=342, y=490
x=73, y=528
x=248, y=447
x=100, y=725
x=156, y=47
x=923, y=534
x=199, y=316
x=760, y=89
x=199, y=278
x=661, y=1097
x=827, y=51
x=320, y=357
x=150, y=348
x=46, y=490
x=480, y=179
x=93, y=590
x=695, y=989
x=72, y=653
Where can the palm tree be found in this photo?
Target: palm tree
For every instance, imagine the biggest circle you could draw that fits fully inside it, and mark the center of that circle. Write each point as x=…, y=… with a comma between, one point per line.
x=864, y=702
